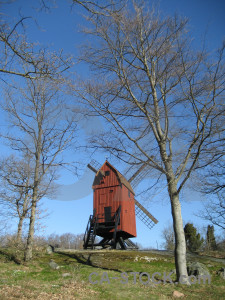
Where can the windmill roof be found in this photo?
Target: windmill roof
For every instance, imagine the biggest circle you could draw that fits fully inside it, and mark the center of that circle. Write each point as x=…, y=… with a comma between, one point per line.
x=121, y=178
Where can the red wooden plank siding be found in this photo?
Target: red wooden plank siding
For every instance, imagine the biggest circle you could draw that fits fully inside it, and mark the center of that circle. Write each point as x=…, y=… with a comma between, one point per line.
x=109, y=191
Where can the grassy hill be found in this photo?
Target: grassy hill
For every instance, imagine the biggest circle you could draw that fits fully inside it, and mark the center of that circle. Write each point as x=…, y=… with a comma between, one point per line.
x=37, y=280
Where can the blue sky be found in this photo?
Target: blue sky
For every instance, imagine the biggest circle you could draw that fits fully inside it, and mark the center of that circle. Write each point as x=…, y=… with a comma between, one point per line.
x=60, y=29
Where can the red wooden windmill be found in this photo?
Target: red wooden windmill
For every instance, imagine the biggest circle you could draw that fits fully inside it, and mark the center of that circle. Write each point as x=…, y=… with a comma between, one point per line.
x=114, y=208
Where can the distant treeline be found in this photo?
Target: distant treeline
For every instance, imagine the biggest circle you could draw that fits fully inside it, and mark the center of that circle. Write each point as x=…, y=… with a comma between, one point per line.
x=64, y=241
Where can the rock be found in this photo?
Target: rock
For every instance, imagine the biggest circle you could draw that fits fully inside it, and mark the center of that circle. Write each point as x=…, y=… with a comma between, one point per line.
x=177, y=294
x=221, y=272
x=53, y=265
x=50, y=249
x=196, y=268
x=146, y=258
x=66, y=274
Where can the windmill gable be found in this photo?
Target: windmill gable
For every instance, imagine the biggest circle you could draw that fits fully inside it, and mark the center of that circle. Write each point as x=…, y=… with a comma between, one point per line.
x=108, y=176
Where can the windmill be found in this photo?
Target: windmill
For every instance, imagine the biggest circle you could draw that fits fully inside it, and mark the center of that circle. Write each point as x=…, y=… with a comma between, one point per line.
x=114, y=208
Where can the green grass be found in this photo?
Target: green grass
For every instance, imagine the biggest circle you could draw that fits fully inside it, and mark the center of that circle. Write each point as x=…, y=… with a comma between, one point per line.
x=37, y=280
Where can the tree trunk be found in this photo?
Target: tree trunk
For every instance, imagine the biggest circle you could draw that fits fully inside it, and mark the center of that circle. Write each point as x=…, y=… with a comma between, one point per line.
x=180, y=243
x=21, y=218
x=29, y=247
x=30, y=239
x=19, y=231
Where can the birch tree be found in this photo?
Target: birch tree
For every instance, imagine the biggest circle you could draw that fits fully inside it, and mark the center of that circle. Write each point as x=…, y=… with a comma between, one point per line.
x=160, y=99
x=41, y=127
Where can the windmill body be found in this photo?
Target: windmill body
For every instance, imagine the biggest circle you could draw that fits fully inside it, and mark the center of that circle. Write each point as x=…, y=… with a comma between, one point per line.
x=114, y=210
x=111, y=191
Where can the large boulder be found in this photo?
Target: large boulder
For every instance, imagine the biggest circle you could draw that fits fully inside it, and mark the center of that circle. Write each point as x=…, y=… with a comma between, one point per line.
x=221, y=272
x=196, y=269
x=50, y=249
x=53, y=265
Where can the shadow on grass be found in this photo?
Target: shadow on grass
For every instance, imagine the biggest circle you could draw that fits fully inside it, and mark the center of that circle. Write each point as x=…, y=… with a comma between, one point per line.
x=11, y=257
x=87, y=261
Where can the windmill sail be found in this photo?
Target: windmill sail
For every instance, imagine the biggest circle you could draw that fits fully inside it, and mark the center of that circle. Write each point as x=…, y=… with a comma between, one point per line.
x=134, y=176
x=142, y=212
x=144, y=215
x=140, y=174
x=94, y=166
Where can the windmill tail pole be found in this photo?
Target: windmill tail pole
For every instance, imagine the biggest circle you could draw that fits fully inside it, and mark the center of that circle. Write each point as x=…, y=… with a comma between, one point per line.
x=92, y=168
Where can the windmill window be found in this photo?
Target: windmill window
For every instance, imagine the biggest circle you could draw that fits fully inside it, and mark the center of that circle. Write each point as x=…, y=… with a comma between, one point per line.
x=107, y=173
x=128, y=193
x=111, y=191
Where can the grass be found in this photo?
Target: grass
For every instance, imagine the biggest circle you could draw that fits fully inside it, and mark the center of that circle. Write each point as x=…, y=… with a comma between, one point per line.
x=37, y=280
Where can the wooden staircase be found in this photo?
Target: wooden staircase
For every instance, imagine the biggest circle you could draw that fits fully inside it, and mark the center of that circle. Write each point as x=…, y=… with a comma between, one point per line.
x=90, y=233
x=94, y=227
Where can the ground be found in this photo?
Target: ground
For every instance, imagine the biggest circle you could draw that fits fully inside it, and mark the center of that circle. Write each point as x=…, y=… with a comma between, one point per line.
x=37, y=280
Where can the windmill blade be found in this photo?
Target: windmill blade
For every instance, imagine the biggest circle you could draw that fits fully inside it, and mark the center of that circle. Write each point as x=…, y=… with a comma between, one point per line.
x=136, y=173
x=140, y=174
x=144, y=215
x=94, y=166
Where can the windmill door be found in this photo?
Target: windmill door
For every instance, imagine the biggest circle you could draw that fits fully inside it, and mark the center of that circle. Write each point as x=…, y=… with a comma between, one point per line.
x=107, y=210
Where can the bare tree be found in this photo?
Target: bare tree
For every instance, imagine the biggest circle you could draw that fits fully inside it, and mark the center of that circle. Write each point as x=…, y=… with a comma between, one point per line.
x=3, y=229
x=94, y=7
x=17, y=50
x=161, y=100
x=22, y=58
x=213, y=188
x=214, y=180
x=42, y=128
x=101, y=7
x=16, y=192
x=66, y=240
x=71, y=241
x=168, y=237
x=214, y=211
